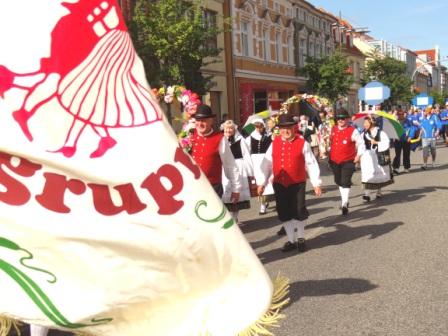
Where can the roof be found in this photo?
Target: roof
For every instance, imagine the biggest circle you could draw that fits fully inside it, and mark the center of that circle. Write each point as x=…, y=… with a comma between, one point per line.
x=430, y=53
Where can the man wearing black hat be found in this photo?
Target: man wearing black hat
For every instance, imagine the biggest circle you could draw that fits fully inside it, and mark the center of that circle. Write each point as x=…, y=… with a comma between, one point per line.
x=212, y=153
x=289, y=159
x=347, y=146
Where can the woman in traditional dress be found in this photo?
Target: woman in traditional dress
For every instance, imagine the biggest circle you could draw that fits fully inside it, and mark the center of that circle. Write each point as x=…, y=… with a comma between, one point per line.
x=376, y=170
x=259, y=142
x=241, y=153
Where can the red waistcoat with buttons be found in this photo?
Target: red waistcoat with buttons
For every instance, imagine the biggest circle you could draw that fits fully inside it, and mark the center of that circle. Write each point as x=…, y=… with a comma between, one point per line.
x=342, y=147
x=205, y=151
x=288, y=161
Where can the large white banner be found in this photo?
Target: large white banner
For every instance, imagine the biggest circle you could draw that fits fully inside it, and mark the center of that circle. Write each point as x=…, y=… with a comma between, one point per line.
x=106, y=225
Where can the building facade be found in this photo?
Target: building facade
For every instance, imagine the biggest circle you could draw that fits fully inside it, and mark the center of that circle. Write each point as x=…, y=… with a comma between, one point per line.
x=344, y=35
x=430, y=61
x=217, y=94
x=263, y=55
x=313, y=35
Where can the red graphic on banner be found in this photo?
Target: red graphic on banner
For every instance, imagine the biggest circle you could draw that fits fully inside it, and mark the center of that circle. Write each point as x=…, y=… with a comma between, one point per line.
x=91, y=71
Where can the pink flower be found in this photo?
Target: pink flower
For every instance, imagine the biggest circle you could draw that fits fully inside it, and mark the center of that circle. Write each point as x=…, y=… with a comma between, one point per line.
x=168, y=99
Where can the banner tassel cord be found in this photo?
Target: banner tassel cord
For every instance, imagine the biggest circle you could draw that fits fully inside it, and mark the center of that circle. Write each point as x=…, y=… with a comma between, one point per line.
x=272, y=317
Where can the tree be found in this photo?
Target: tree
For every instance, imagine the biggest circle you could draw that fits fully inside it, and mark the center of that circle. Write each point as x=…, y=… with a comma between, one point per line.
x=439, y=97
x=330, y=76
x=175, y=39
x=390, y=72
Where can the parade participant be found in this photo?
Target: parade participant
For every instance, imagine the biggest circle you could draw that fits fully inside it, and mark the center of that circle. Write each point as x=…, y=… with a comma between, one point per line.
x=212, y=153
x=403, y=145
x=324, y=130
x=444, y=122
x=347, y=146
x=308, y=130
x=375, y=161
x=241, y=154
x=430, y=127
x=259, y=142
x=271, y=125
x=290, y=159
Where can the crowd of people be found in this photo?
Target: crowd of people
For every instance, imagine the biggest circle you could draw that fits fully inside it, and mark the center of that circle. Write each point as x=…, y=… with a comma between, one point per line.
x=273, y=161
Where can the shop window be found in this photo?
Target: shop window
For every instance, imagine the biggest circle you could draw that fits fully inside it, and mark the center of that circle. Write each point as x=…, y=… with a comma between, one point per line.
x=260, y=101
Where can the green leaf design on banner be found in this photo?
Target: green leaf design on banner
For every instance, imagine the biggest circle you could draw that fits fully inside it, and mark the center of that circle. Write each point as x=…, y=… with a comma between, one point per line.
x=35, y=293
x=6, y=243
x=217, y=219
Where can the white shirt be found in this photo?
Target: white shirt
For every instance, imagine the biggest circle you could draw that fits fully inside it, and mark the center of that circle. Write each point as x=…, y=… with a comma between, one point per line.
x=311, y=166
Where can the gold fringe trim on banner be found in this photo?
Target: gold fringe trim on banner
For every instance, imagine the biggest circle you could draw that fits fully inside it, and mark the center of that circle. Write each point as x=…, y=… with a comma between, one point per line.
x=272, y=316
x=6, y=324
x=260, y=328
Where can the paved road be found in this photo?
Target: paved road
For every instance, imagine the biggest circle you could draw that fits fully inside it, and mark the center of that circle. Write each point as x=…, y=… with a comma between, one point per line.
x=382, y=270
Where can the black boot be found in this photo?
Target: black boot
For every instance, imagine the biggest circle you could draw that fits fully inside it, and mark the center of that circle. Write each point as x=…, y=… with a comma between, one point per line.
x=289, y=247
x=301, y=246
x=282, y=231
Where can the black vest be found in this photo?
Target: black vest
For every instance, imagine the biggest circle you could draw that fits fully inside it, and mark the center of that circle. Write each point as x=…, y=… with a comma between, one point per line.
x=235, y=147
x=260, y=146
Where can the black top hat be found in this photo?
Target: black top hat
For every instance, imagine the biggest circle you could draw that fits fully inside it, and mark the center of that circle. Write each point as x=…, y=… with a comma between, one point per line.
x=341, y=114
x=203, y=112
x=285, y=120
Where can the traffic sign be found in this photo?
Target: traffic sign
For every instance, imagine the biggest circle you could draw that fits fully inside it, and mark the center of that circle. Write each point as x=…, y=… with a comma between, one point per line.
x=374, y=93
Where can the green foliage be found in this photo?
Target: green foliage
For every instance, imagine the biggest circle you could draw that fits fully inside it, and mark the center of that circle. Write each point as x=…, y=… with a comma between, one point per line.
x=439, y=97
x=390, y=72
x=329, y=77
x=174, y=41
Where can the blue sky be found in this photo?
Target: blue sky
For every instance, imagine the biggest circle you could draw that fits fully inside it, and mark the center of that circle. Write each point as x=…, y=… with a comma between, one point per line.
x=412, y=24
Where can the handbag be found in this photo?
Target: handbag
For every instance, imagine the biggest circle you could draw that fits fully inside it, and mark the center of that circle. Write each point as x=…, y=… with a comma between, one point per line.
x=383, y=158
x=253, y=188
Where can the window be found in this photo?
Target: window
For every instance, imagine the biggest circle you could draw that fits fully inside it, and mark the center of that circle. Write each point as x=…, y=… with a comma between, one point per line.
x=245, y=38
x=290, y=51
x=209, y=20
x=302, y=52
x=266, y=45
x=260, y=101
x=264, y=3
x=278, y=45
x=311, y=49
x=288, y=12
x=277, y=7
x=318, y=50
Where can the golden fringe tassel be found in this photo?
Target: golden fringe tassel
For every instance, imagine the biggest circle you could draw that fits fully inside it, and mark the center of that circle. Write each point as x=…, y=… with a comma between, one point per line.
x=273, y=316
x=260, y=328
x=6, y=324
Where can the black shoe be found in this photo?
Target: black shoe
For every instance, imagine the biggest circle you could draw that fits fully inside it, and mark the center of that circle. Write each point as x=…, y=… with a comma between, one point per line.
x=345, y=210
x=366, y=198
x=289, y=247
x=396, y=172
x=281, y=232
x=301, y=246
x=423, y=167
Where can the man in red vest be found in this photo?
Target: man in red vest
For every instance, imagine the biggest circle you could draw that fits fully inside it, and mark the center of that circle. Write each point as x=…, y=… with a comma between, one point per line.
x=212, y=153
x=290, y=158
x=347, y=146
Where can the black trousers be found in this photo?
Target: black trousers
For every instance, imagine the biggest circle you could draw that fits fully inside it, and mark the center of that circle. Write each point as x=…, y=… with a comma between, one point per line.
x=343, y=173
x=405, y=147
x=290, y=201
x=218, y=189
